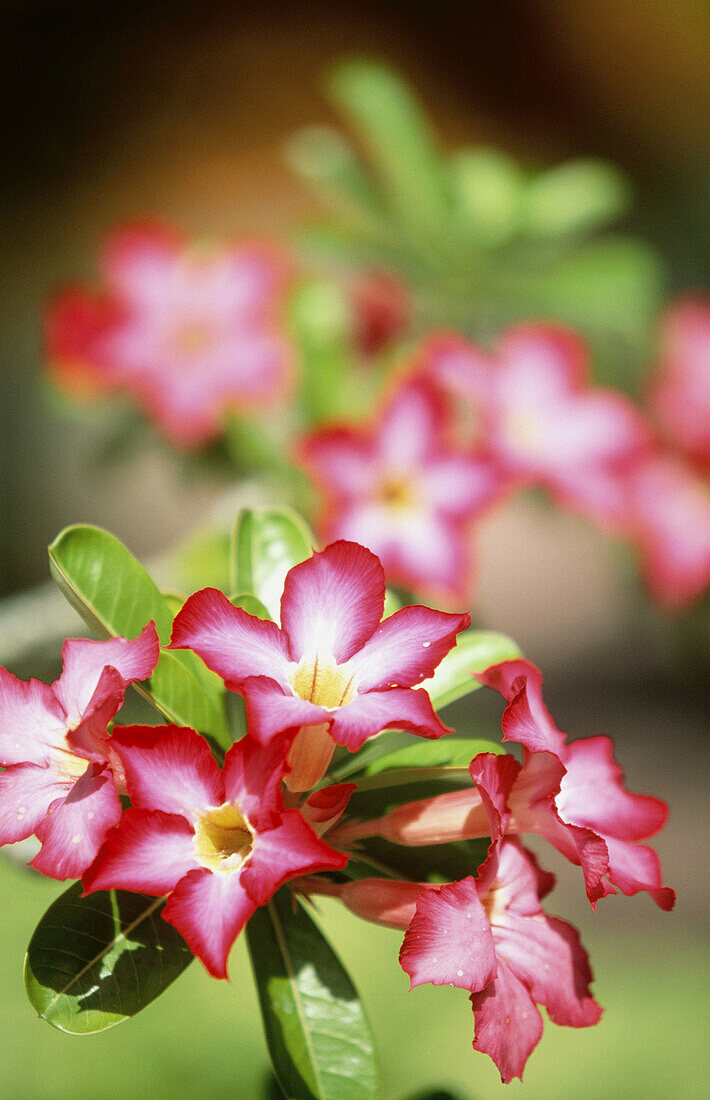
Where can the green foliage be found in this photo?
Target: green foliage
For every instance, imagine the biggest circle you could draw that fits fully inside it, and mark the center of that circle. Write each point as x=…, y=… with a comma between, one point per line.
x=483, y=241
x=475, y=651
x=316, y=1029
x=114, y=595
x=94, y=962
x=265, y=545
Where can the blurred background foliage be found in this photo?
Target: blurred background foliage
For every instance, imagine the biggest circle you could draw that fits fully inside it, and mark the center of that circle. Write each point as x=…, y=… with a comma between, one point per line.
x=216, y=116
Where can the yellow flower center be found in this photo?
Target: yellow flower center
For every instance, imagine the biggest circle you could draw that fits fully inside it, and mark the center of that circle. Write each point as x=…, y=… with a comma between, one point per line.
x=320, y=680
x=193, y=337
x=224, y=839
x=397, y=494
x=71, y=765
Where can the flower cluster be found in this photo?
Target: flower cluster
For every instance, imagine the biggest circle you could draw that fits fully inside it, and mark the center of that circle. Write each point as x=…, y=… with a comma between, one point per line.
x=526, y=415
x=218, y=842
x=187, y=329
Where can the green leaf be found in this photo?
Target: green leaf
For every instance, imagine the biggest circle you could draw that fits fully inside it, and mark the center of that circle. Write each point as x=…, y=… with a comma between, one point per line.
x=323, y=324
x=323, y=157
x=250, y=604
x=475, y=651
x=94, y=962
x=576, y=197
x=265, y=545
x=318, y=1036
x=488, y=190
x=452, y=754
x=113, y=594
x=423, y=863
x=396, y=134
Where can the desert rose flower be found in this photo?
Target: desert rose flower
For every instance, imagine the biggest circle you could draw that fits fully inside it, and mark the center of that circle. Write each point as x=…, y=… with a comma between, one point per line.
x=491, y=937
x=60, y=774
x=189, y=330
x=401, y=488
x=592, y=795
x=332, y=667
x=680, y=392
x=669, y=520
x=219, y=843
x=537, y=412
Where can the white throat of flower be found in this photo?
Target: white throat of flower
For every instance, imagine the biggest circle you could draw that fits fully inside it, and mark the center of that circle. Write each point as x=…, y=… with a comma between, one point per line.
x=224, y=839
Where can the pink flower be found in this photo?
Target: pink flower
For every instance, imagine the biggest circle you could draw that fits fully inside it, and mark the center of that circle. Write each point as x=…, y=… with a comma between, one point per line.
x=490, y=936
x=220, y=843
x=669, y=519
x=401, y=489
x=541, y=419
x=60, y=777
x=189, y=330
x=592, y=799
x=332, y=667
x=382, y=307
x=680, y=393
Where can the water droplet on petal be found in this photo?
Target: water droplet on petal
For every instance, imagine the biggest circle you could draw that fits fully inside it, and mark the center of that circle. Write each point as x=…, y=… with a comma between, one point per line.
x=459, y=973
x=91, y=815
x=426, y=644
x=76, y=839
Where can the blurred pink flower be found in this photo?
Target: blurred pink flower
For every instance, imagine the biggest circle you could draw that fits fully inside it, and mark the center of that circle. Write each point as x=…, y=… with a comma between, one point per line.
x=680, y=392
x=333, y=668
x=382, y=306
x=60, y=773
x=400, y=488
x=220, y=843
x=189, y=330
x=669, y=519
x=537, y=413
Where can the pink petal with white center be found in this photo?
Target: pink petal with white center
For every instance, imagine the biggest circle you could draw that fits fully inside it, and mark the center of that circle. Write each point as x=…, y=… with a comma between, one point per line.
x=449, y=941
x=635, y=868
x=252, y=779
x=508, y=1025
x=209, y=911
x=148, y=853
x=341, y=460
x=544, y=359
x=168, y=768
x=460, y=367
x=83, y=662
x=26, y=793
x=89, y=737
x=398, y=708
x=270, y=710
x=593, y=794
x=75, y=828
x=411, y=427
x=232, y=643
x=526, y=718
x=32, y=722
x=461, y=485
x=333, y=601
x=406, y=648
x=280, y=854
x=139, y=261
x=670, y=513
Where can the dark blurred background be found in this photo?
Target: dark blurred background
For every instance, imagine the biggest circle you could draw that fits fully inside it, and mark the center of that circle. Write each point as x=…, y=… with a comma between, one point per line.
x=181, y=110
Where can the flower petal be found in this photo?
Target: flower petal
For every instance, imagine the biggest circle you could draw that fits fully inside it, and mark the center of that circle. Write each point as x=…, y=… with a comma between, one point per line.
x=333, y=601
x=406, y=648
x=32, y=721
x=168, y=768
x=252, y=779
x=26, y=793
x=341, y=460
x=494, y=777
x=139, y=261
x=526, y=718
x=84, y=660
x=449, y=941
x=635, y=867
x=280, y=854
x=209, y=911
x=398, y=708
x=270, y=710
x=74, y=829
x=508, y=1026
x=148, y=853
x=232, y=643
x=593, y=794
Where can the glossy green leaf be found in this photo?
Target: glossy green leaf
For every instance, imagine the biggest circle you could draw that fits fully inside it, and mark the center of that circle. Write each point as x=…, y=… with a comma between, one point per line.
x=94, y=962
x=265, y=545
x=318, y=1036
x=488, y=190
x=452, y=754
x=114, y=595
x=250, y=604
x=397, y=136
x=475, y=651
x=421, y=863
